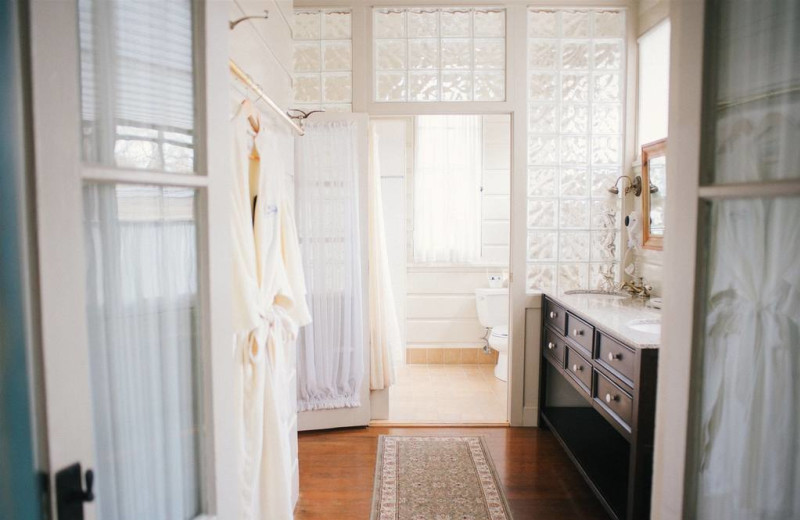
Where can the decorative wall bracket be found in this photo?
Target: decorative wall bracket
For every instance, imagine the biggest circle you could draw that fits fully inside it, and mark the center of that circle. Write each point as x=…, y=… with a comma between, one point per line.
x=236, y=22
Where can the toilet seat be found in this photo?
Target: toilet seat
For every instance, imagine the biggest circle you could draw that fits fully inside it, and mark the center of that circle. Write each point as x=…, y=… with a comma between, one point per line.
x=500, y=332
x=498, y=338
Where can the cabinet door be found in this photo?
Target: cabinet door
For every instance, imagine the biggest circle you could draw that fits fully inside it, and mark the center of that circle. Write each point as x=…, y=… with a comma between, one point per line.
x=132, y=223
x=729, y=380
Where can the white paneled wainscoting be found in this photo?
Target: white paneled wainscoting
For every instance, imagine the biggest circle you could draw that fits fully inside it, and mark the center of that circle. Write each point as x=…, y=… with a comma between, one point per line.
x=442, y=323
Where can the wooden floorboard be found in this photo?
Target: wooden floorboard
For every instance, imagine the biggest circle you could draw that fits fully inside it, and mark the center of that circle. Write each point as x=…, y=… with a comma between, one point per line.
x=540, y=482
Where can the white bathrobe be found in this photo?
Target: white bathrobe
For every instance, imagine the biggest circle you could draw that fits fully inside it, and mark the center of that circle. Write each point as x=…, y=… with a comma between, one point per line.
x=266, y=299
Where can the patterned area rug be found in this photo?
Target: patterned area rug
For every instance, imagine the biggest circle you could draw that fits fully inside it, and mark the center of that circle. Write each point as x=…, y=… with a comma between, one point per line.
x=436, y=478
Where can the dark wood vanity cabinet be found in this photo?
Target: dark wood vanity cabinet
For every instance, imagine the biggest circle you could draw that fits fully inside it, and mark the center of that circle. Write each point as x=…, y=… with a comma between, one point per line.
x=606, y=418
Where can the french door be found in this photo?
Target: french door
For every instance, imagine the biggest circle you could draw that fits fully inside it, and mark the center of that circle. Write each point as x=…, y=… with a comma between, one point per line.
x=727, y=425
x=331, y=193
x=132, y=222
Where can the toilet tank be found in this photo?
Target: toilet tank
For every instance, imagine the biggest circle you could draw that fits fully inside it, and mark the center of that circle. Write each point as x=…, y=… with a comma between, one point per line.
x=492, y=306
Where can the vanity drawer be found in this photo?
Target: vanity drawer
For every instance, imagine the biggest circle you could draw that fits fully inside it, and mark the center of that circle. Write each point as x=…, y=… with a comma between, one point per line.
x=617, y=358
x=581, y=333
x=580, y=368
x=613, y=399
x=555, y=316
x=554, y=348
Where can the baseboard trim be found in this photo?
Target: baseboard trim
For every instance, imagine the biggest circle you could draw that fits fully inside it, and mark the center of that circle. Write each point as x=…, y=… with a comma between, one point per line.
x=530, y=416
x=396, y=424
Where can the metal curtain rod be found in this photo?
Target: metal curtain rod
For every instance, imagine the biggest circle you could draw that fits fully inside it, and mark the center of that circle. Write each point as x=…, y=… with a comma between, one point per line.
x=252, y=85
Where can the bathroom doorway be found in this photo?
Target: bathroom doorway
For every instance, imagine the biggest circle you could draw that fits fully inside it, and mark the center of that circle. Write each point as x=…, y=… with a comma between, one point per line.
x=445, y=182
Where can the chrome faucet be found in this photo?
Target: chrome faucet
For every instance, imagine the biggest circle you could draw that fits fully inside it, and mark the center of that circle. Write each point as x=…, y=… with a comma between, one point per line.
x=637, y=287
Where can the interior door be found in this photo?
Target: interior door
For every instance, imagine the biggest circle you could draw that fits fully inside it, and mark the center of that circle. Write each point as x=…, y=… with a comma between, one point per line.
x=132, y=227
x=728, y=367
x=339, y=417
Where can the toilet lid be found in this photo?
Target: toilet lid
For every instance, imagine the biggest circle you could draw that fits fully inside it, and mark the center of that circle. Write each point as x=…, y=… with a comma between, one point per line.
x=500, y=332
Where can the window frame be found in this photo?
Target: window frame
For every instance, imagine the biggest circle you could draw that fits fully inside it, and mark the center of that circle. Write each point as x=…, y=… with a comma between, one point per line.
x=372, y=44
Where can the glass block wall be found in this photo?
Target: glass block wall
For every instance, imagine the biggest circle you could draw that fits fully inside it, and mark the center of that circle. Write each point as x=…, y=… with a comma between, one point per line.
x=323, y=60
x=430, y=54
x=576, y=62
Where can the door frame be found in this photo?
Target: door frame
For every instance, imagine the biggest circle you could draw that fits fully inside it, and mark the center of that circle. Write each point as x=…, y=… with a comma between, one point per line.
x=680, y=259
x=346, y=417
x=59, y=177
x=383, y=400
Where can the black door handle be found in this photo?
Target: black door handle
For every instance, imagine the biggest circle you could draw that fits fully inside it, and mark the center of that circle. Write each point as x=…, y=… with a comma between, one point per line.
x=70, y=494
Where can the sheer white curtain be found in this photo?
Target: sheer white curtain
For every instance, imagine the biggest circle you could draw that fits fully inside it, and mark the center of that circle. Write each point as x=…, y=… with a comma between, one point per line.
x=447, y=189
x=144, y=345
x=385, y=342
x=330, y=363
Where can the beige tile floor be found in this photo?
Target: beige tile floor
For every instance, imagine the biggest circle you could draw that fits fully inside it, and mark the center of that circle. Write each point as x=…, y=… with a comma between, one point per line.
x=447, y=394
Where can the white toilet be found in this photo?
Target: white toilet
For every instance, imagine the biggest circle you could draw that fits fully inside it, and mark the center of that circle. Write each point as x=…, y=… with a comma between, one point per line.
x=493, y=314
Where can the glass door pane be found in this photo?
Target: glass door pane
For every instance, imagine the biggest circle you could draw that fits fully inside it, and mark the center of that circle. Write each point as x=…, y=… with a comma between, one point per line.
x=746, y=421
x=144, y=348
x=753, y=101
x=137, y=84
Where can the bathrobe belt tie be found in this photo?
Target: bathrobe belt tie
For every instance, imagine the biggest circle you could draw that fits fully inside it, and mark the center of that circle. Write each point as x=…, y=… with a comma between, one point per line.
x=276, y=328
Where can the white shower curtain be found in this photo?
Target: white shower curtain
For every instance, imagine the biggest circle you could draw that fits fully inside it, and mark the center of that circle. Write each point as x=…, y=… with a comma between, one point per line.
x=385, y=342
x=330, y=364
x=447, y=189
x=143, y=318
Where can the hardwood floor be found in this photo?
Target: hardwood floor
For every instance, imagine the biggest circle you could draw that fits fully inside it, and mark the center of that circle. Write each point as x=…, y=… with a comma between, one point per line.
x=541, y=483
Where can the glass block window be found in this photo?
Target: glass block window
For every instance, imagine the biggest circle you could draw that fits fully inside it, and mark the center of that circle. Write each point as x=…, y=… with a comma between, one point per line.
x=431, y=54
x=323, y=60
x=576, y=61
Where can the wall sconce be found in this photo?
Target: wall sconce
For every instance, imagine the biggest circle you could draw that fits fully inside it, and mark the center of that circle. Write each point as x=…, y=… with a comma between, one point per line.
x=635, y=186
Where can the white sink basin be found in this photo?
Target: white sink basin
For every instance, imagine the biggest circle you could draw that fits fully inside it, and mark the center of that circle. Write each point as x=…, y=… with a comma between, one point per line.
x=600, y=295
x=652, y=326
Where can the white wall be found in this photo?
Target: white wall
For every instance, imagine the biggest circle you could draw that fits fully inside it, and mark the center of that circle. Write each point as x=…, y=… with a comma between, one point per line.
x=264, y=49
x=496, y=189
x=651, y=12
x=650, y=263
x=436, y=304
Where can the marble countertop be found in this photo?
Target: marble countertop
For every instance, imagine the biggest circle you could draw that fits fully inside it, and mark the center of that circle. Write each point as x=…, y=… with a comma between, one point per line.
x=613, y=316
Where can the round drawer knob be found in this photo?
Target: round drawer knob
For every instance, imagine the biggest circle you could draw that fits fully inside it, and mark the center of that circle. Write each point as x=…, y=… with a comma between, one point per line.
x=610, y=398
x=576, y=332
x=576, y=368
x=612, y=356
x=553, y=314
x=551, y=345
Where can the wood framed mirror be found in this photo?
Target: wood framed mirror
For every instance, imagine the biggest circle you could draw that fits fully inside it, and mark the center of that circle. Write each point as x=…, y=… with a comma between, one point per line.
x=654, y=199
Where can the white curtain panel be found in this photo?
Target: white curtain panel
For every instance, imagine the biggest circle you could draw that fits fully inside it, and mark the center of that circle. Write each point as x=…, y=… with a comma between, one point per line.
x=143, y=318
x=447, y=189
x=385, y=342
x=330, y=362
